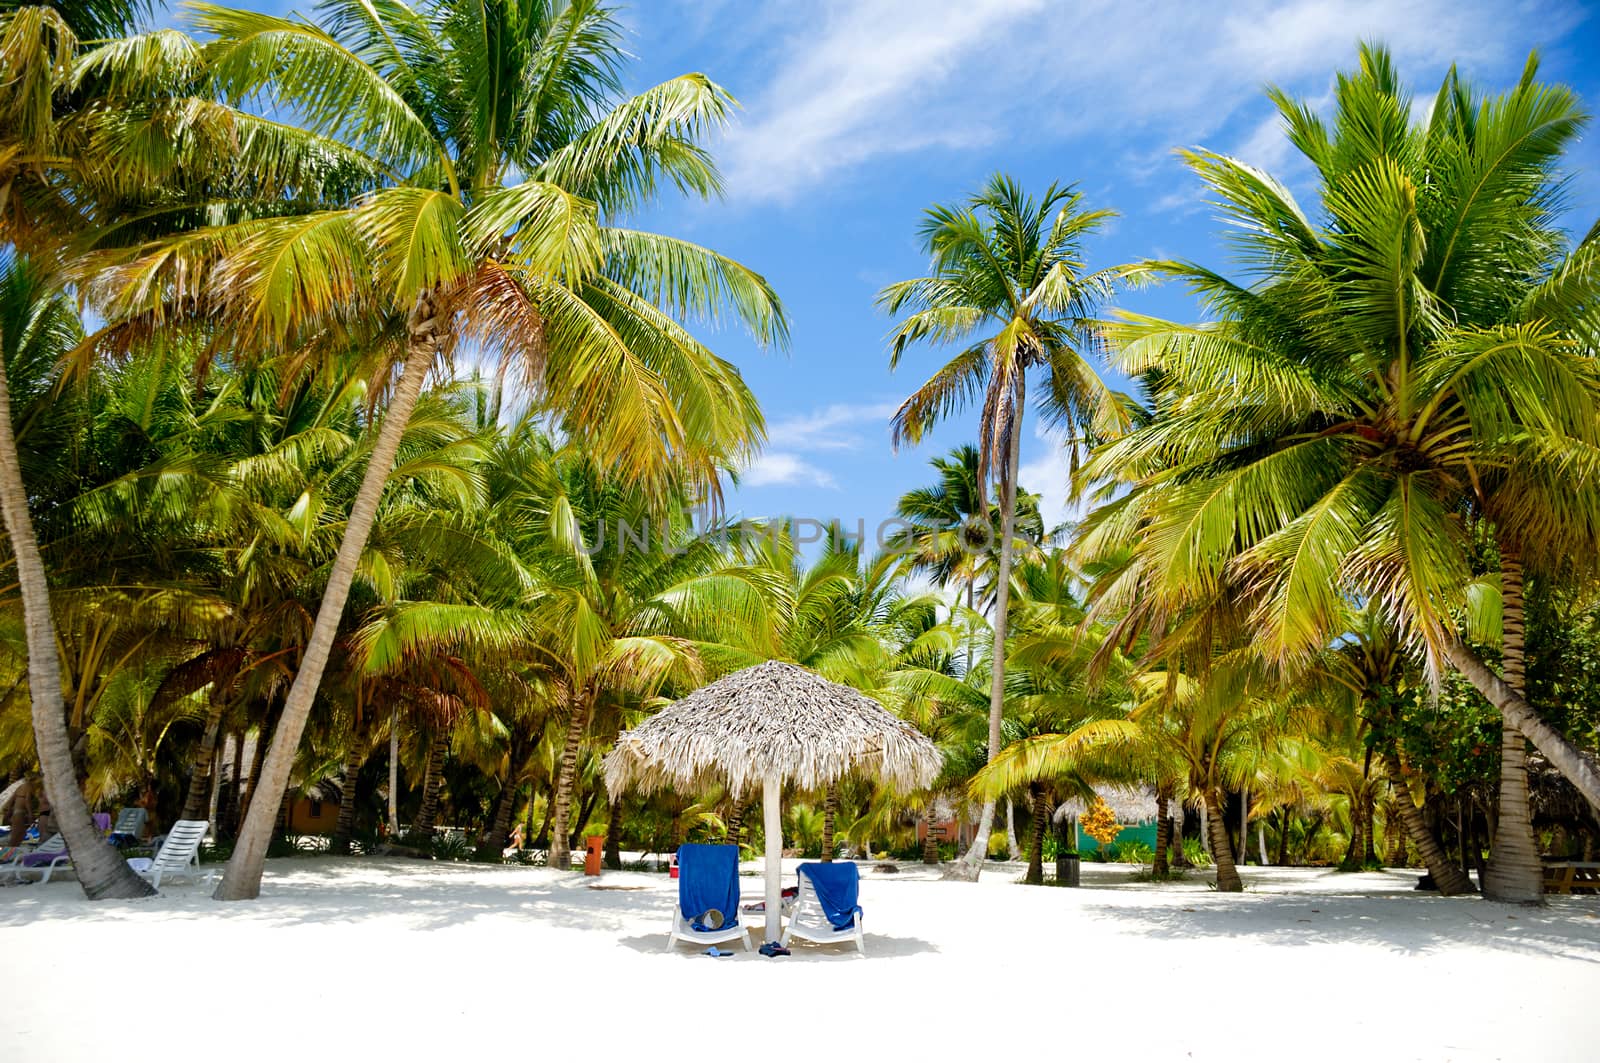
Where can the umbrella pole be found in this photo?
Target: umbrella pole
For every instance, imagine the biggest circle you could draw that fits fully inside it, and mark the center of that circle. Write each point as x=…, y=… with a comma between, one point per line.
x=773, y=822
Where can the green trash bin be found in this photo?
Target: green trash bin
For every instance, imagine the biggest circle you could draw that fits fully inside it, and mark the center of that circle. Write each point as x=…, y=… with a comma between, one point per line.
x=1067, y=866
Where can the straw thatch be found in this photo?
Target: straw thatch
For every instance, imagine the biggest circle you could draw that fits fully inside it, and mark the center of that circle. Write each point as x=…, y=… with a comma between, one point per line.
x=774, y=718
x=1129, y=804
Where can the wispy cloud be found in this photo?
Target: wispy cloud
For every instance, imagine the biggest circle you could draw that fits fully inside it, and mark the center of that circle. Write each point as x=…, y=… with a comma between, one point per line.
x=775, y=468
x=861, y=81
x=1049, y=476
x=840, y=426
x=795, y=442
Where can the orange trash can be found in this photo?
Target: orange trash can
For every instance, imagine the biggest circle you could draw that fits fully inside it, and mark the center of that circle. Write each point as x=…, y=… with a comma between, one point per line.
x=591, y=857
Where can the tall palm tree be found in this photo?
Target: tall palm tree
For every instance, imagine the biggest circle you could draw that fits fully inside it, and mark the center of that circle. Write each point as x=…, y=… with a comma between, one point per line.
x=1009, y=283
x=38, y=326
x=493, y=154
x=1424, y=353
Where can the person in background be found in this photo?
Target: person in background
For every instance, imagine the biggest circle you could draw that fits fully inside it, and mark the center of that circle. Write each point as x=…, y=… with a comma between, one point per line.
x=23, y=809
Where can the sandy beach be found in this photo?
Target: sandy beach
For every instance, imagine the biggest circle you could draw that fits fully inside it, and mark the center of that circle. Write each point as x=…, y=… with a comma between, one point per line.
x=413, y=960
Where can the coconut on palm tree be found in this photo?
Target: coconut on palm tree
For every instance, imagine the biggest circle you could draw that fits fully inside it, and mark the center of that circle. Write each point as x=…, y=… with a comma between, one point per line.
x=1010, y=285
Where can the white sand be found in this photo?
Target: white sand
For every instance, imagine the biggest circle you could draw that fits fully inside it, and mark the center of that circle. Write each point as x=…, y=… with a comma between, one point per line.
x=430, y=961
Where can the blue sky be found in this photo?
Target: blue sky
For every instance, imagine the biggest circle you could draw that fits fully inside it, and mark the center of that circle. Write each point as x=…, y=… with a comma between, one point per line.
x=858, y=115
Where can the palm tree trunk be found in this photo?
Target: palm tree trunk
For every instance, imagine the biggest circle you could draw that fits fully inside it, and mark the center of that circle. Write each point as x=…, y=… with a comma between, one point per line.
x=968, y=867
x=930, y=844
x=394, y=773
x=424, y=328
x=432, y=780
x=493, y=839
x=230, y=813
x=1578, y=768
x=101, y=870
x=1447, y=875
x=1228, y=880
x=1515, y=873
x=1159, y=866
x=1041, y=822
x=345, y=828
x=735, y=822
x=613, y=852
x=830, y=809
x=586, y=810
x=560, y=851
x=198, y=799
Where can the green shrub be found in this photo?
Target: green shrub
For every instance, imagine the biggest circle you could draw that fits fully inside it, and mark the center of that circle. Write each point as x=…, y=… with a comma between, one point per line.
x=452, y=846
x=1195, y=853
x=998, y=849
x=1134, y=852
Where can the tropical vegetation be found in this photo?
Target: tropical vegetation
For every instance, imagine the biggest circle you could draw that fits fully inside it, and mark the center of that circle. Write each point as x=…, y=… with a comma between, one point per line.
x=357, y=452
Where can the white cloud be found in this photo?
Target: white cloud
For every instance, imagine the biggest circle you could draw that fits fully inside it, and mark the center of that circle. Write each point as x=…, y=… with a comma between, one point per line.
x=1048, y=476
x=835, y=427
x=863, y=81
x=778, y=468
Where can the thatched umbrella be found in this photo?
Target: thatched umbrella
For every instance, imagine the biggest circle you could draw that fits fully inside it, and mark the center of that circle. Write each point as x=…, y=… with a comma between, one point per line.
x=773, y=723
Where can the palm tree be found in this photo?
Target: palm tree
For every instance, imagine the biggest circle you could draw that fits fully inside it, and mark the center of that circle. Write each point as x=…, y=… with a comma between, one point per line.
x=952, y=530
x=478, y=218
x=1423, y=354
x=37, y=326
x=1009, y=283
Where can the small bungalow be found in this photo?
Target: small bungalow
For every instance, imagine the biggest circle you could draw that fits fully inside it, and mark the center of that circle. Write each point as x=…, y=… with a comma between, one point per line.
x=1134, y=809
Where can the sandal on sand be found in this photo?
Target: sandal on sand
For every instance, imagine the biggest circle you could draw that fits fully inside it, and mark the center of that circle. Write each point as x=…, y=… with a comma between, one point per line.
x=772, y=948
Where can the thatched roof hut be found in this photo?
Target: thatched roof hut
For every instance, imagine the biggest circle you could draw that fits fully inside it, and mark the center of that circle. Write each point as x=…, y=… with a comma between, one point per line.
x=775, y=723
x=773, y=718
x=1129, y=804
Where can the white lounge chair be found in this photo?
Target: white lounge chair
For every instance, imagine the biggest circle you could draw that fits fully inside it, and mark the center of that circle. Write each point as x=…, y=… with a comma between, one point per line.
x=808, y=921
x=179, y=853
x=682, y=928
x=51, y=856
x=130, y=823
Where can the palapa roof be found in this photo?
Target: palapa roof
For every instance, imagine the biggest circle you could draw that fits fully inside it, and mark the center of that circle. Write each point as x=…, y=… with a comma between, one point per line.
x=771, y=718
x=1128, y=803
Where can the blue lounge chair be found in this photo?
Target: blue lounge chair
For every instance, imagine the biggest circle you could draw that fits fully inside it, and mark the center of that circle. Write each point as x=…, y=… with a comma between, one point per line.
x=826, y=910
x=707, y=910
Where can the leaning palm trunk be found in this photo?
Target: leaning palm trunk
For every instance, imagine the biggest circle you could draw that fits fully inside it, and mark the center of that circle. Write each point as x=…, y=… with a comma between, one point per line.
x=968, y=867
x=424, y=329
x=344, y=830
x=198, y=800
x=1228, y=880
x=1041, y=822
x=1447, y=875
x=1578, y=768
x=1514, y=873
x=560, y=847
x=432, y=781
x=830, y=810
x=930, y=844
x=102, y=872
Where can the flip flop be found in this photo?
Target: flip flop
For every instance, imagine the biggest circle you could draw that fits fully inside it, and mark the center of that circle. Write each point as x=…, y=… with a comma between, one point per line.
x=772, y=948
x=714, y=951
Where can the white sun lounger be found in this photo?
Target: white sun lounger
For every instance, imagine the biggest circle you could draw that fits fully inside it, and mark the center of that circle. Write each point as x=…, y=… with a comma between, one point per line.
x=179, y=854
x=55, y=846
x=808, y=921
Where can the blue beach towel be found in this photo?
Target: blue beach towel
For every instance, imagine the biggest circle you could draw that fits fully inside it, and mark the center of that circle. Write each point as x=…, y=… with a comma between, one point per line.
x=837, y=886
x=708, y=880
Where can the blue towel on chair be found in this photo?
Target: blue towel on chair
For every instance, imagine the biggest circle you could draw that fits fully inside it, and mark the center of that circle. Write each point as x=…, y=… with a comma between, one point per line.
x=708, y=878
x=837, y=886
